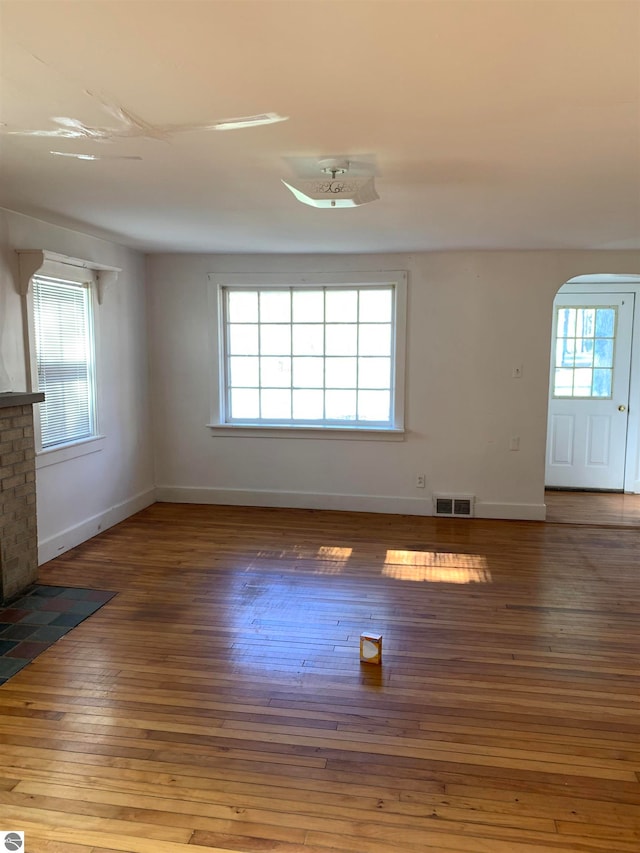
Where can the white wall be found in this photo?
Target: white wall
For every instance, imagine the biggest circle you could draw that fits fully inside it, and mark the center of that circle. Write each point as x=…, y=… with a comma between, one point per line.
x=79, y=497
x=473, y=316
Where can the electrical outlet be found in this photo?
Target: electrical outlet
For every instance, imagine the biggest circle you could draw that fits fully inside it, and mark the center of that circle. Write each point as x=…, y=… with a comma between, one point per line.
x=419, y=481
x=516, y=373
x=514, y=443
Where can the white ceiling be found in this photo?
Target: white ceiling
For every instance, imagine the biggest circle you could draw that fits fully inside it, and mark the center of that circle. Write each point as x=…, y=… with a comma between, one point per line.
x=490, y=124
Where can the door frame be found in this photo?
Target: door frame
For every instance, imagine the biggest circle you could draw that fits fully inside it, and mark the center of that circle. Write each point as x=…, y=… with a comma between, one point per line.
x=601, y=284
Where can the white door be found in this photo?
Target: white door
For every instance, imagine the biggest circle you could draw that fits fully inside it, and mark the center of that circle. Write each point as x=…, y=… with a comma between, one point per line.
x=589, y=390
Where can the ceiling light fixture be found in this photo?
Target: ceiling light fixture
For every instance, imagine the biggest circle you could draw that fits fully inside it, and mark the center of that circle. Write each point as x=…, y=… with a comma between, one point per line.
x=335, y=190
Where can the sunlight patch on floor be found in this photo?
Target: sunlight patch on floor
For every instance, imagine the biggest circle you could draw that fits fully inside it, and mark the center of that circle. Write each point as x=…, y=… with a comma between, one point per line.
x=436, y=567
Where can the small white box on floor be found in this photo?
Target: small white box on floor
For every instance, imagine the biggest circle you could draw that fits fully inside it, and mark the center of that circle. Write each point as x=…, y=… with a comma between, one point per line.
x=370, y=647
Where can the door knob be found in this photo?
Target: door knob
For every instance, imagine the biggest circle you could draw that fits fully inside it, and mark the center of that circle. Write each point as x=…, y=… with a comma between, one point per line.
x=622, y=408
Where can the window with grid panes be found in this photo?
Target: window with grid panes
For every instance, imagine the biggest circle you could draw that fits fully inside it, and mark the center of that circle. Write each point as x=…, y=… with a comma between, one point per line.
x=311, y=355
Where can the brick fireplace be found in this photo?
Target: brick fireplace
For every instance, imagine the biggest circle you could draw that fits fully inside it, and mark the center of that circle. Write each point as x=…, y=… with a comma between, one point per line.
x=18, y=530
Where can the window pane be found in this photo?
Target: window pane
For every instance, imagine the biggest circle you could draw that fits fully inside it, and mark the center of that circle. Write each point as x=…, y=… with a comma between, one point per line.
x=374, y=372
x=604, y=353
x=341, y=372
x=308, y=405
x=605, y=322
x=341, y=339
x=602, y=383
x=308, y=306
x=373, y=405
x=275, y=306
x=275, y=340
x=308, y=340
x=243, y=306
x=244, y=371
x=275, y=372
x=340, y=405
x=375, y=306
x=375, y=340
x=585, y=322
x=276, y=405
x=243, y=340
x=245, y=404
x=308, y=372
x=566, y=322
x=341, y=306
x=584, y=352
x=565, y=352
x=582, y=378
x=563, y=383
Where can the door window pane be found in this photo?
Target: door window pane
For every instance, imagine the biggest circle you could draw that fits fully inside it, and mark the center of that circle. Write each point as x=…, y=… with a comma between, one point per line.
x=602, y=383
x=585, y=338
x=604, y=353
x=605, y=322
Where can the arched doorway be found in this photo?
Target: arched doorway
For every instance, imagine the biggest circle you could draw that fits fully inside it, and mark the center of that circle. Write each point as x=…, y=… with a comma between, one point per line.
x=593, y=429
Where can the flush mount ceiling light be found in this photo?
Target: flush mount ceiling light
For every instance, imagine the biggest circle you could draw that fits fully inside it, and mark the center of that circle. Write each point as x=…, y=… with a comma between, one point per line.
x=336, y=188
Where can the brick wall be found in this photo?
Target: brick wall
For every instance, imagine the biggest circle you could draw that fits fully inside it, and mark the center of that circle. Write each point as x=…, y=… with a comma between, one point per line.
x=18, y=533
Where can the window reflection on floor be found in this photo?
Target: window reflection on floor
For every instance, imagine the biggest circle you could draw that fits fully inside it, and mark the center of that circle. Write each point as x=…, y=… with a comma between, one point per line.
x=436, y=567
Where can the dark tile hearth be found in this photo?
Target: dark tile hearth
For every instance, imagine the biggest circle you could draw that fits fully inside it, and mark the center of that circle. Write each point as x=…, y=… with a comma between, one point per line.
x=40, y=618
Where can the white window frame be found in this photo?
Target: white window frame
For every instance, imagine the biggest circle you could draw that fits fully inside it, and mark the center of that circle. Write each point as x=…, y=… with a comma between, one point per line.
x=81, y=277
x=217, y=284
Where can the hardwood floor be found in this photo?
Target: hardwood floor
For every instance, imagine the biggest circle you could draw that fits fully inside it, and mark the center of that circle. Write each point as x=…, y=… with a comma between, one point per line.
x=599, y=508
x=217, y=703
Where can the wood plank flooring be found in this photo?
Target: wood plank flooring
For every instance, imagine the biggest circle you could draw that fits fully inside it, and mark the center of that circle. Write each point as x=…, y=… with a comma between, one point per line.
x=600, y=508
x=217, y=703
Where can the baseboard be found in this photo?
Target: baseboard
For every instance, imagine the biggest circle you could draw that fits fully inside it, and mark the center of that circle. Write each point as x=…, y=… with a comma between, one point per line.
x=511, y=512
x=72, y=536
x=351, y=503
x=294, y=500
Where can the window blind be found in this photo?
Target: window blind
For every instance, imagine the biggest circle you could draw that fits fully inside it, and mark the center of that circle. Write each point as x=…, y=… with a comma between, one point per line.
x=64, y=347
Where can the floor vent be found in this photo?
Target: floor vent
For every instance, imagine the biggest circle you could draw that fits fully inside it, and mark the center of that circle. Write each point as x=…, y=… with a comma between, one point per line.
x=457, y=506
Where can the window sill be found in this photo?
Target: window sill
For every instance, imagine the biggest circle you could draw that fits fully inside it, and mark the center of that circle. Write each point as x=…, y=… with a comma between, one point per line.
x=54, y=455
x=342, y=433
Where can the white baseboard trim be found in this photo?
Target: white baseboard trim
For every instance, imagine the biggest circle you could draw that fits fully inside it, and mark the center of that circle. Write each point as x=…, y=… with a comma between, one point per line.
x=55, y=545
x=511, y=512
x=350, y=503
